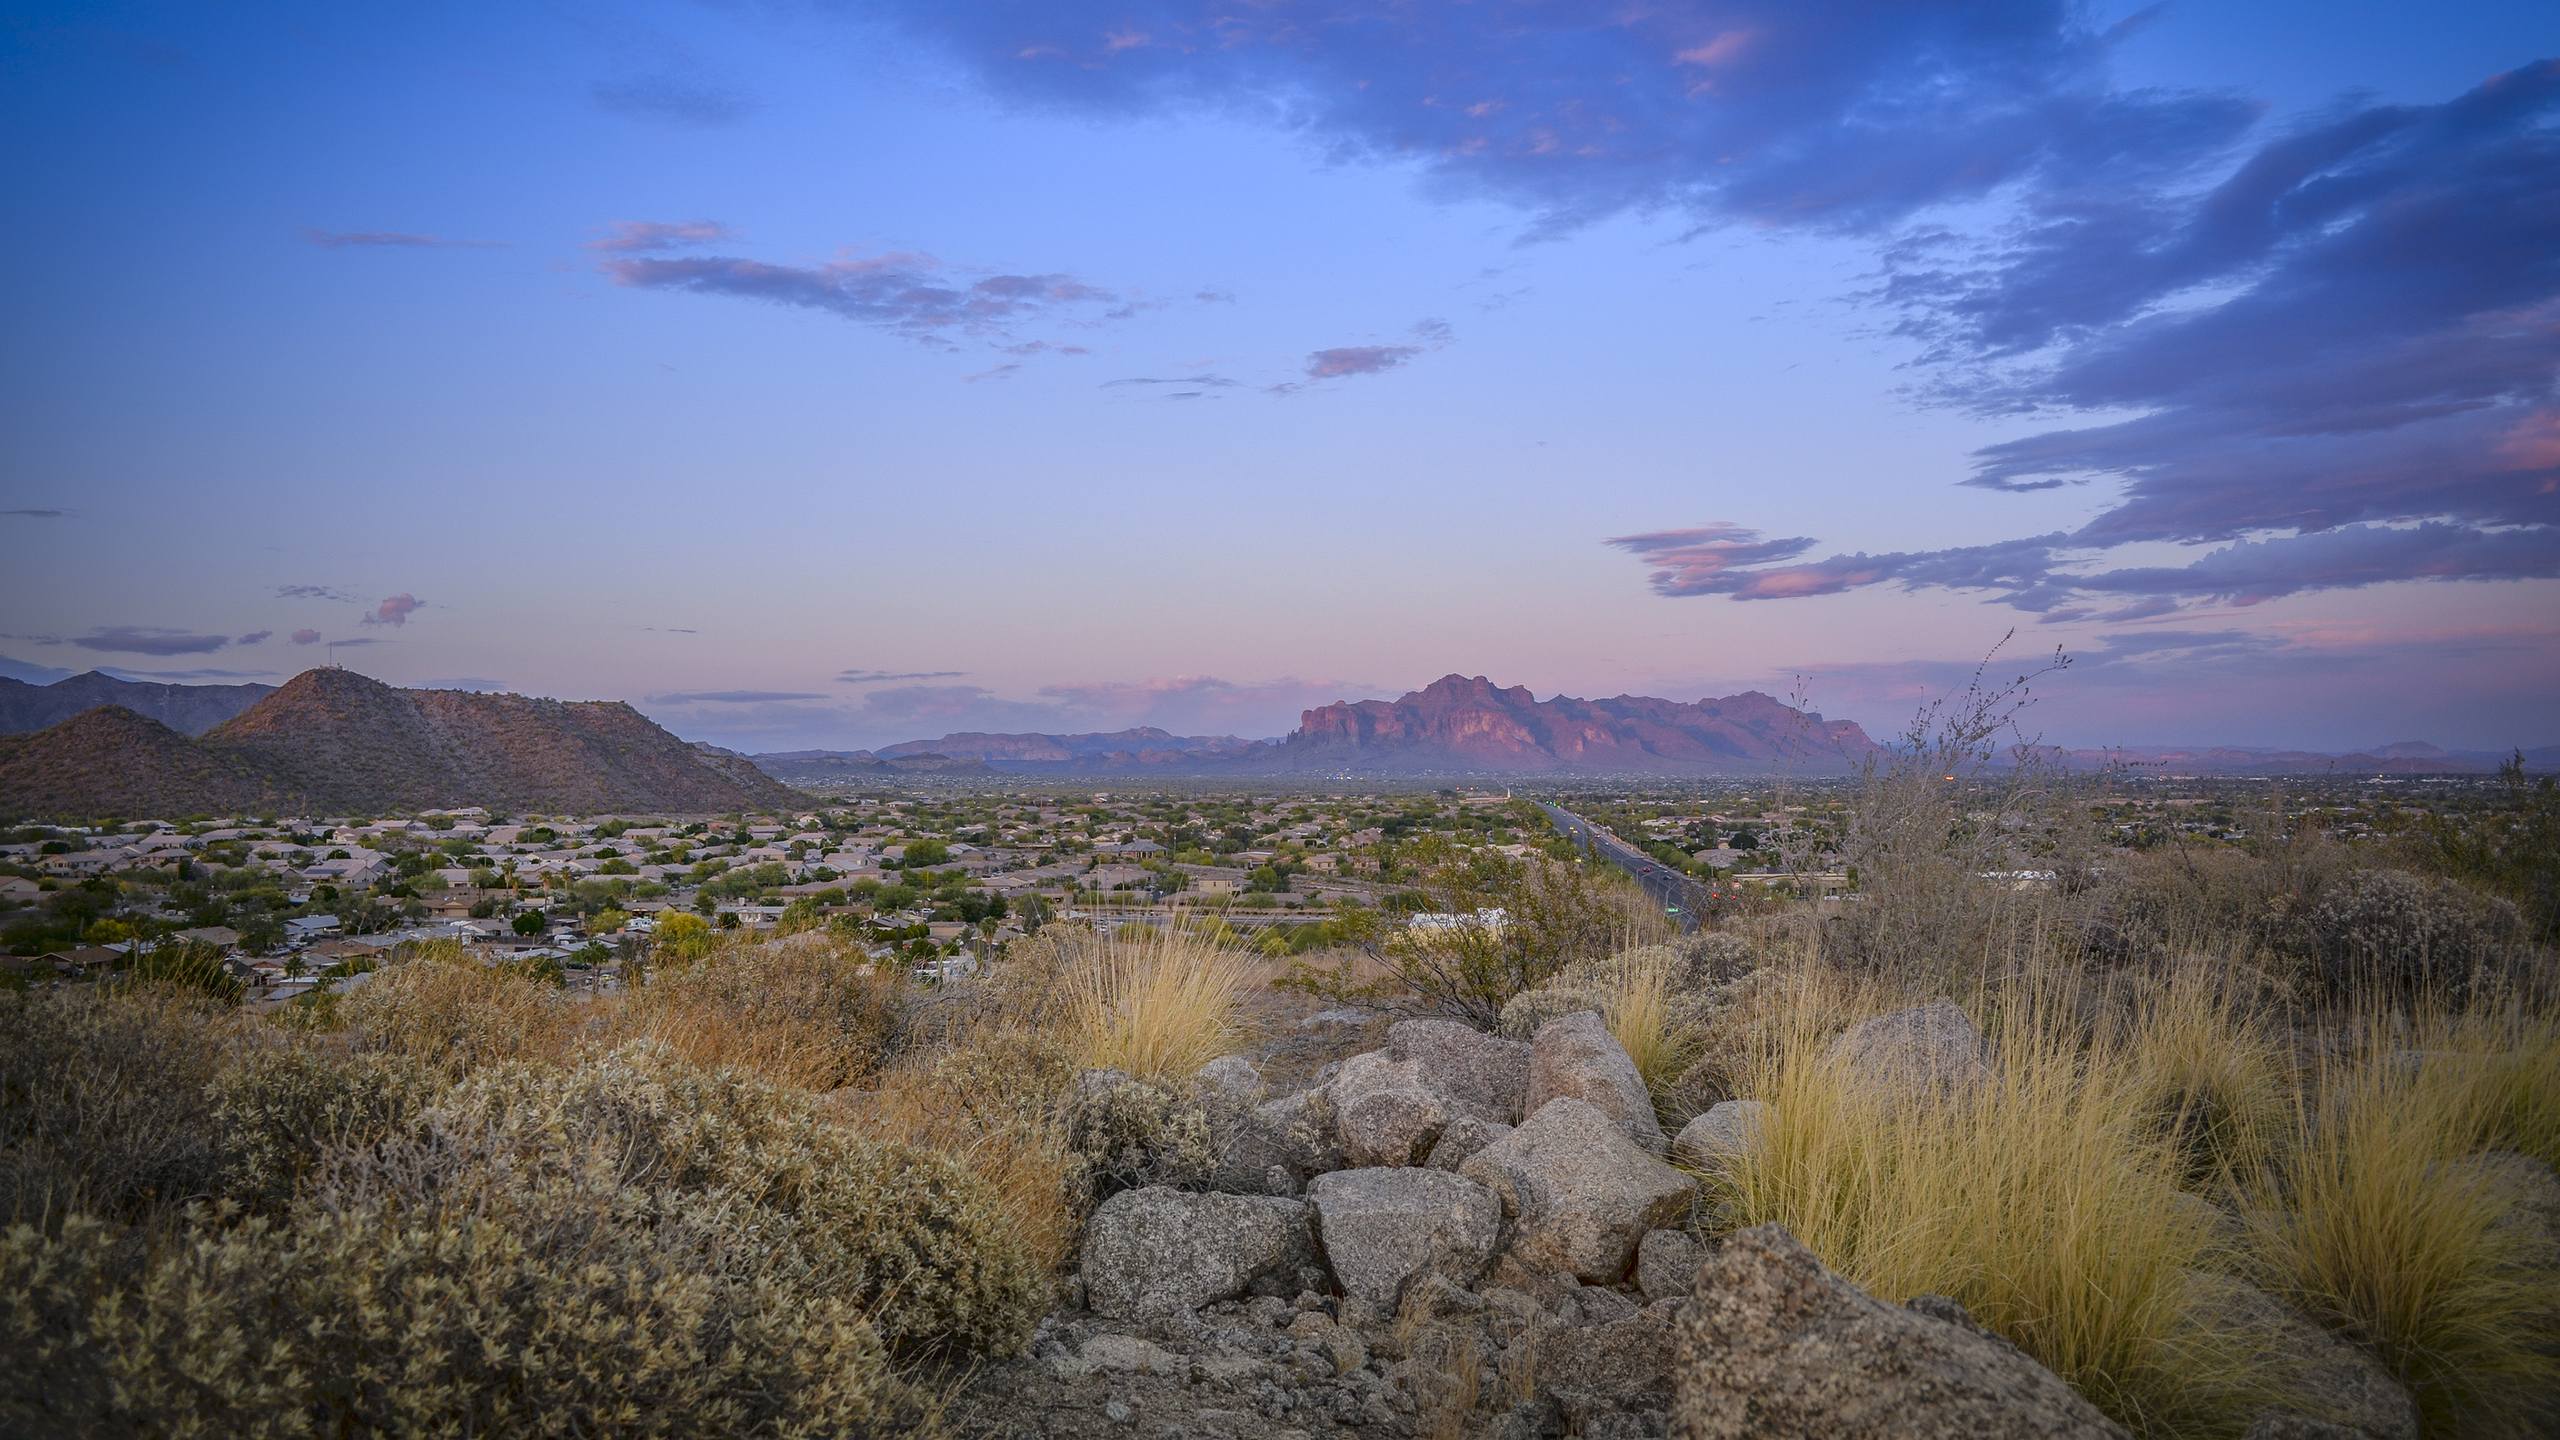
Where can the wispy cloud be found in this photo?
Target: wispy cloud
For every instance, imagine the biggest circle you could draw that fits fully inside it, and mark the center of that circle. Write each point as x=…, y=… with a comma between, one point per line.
x=392, y=240
x=733, y=697
x=305, y=637
x=639, y=237
x=665, y=96
x=254, y=637
x=395, y=610
x=188, y=676
x=316, y=592
x=906, y=294
x=1346, y=360
x=877, y=677
x=136, y=640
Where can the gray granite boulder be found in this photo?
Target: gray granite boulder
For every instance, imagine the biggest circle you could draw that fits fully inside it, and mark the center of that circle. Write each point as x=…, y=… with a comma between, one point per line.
x=1775, y=1345
x=1274, y=1147
x=1577, y=1192
x=1157, y=1252
x=1460, y=1139
x=1720, y=1133
x=1380, y=1228
x=2323, y=1376
x=1667, y=1264
x=1577, y=1056
x=1232, y=1078
x=1486, y=1075
x=1384, y=1111
x=1924, y=1052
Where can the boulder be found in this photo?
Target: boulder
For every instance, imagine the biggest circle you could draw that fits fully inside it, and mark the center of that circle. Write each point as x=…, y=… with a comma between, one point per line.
x=1486, y=1075
x=1384, y=1112
x=1667, y=1264
x=1380, y=1228
x=1461, y=1138
x=1577, y=1056
x=1928, y=1050
x=1272, y=1148
x=1622, y=1360
x=1775, y=1345
x=1577, y=1192
x=1232, y=1078
x=2324, y=1377
x=1723, y=1131
x=1158, y=1252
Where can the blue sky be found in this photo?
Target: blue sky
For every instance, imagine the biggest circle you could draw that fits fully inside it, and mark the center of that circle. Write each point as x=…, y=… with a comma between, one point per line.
x=830, y=375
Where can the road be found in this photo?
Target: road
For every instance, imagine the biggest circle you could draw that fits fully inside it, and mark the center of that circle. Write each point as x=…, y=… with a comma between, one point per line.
x=1678, y=894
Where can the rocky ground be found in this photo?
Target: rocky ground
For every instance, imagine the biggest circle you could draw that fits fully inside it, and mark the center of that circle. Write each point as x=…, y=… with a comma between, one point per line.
x=1435, y=1232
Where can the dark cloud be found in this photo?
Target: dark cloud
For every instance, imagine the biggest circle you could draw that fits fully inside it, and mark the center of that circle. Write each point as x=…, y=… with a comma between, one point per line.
x=391, y=240
x=1004, y=371
x=671, y=97
x=906, y=294
x=188, y=676
x=1844, y=117
x=395, y=610
x=138, y=640
x=876, y=677
x=2339, y=357
x=254, y=637
x=640, y=237
x=733, y=697
x=305, y=637
x=671, y=629
x=315, y=592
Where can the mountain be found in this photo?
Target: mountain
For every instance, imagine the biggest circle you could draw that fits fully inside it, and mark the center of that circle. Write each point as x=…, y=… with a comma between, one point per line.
x=335, y=741
x=188, y=709
x=1461, y=723
x=2405, y=757
x=812, y=767
x=1143, y=748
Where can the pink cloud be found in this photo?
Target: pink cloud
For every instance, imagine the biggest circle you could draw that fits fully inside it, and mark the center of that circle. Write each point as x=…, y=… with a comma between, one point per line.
x=395, y=610
x=306, y=637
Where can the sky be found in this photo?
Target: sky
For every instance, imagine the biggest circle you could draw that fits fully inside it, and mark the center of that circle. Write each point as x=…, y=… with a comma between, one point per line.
x=825, y=375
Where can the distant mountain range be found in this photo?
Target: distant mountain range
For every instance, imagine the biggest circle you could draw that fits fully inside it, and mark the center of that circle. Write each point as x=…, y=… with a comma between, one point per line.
x=187, y=709
x=2406, y=757
x=336, y=742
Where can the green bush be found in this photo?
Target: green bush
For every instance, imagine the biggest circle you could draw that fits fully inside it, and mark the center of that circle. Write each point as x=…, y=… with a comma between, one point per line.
x=1130, y=1134
x=2407, y=933
x=278, y=1109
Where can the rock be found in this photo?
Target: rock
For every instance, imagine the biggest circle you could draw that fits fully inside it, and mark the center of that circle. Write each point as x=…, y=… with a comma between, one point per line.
x=1232, y=1078
x=2530, y=1192
x=1433, y=1296
x=1462, y=1137
x=1292, y=1135
x=1486, y=1075
x=2325, y=1377
x=1597, y=1305
x=1156, y=1252
x=1380, y=1228
x=1128, y=1352
x=1773, y=1344
x=1722, y=1132
x=2293, y=1425
x=1577, y=1056
x=1928, y=1050
x=1667, y=1264
x=1578, y=1192
x=1626, y=1359
x=1384, y=1112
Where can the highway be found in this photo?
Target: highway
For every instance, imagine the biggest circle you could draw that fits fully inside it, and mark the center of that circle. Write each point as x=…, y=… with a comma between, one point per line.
x=1677, y=893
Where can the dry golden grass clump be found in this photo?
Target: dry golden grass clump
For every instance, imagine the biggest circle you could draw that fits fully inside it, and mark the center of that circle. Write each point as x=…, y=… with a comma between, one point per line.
x=439, y=1005
x=808, y=1010
x=1156, y=1007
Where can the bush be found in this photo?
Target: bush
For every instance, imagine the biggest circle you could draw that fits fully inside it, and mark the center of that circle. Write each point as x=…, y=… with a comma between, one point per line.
x=1131, y=1134
x=1156, y=1007
x=807, y=1010
x=278, y=1109
x=102, y=1101
x=444, y=1008
x=2407, y=934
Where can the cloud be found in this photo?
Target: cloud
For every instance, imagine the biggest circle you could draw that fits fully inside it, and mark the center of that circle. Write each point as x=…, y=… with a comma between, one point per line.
x=361, y=640
x=1373, y=359
x=733, y=697
x=305, y=637
x=463, y=682
x=137, y=640
x=1005, y=371
x=187, y=676
x=1843, y=117
x=254, y=637
x=395, y=610
x=637, y=237
x=391, y=240
x=35, y=514
x=2335, y=361
x=1211, y=382
x=663, y=96
x=904, y=294
x=878, y=677
x=671, y=629
x=1697, y=561
x=315, y=592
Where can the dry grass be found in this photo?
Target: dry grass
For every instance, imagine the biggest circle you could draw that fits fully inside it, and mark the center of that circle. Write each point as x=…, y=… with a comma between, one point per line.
x=1639, y=1004
x=1157, y=1007
x=2373, y=1222
x=2042, y=1203
x=807, y=1011
x=442, y=1007
x=2210, y=1074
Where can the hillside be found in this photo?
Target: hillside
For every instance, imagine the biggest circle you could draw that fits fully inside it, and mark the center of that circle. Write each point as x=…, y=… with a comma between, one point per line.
x=187, y=709
x=807, y=767
x=1459, y=723
x=334, y=740
x=1140, y=748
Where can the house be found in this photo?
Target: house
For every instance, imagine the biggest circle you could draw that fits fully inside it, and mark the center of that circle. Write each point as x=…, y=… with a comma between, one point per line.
x=303, y=929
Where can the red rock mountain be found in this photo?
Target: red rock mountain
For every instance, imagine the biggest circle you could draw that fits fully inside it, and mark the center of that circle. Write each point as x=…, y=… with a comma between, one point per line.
x=338, y=742
x=1462, y=723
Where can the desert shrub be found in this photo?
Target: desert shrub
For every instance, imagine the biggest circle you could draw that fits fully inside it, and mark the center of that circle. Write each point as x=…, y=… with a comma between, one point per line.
x=1131, y=1133
x=1156, y=1007
x=993, y=1100
x=2042, y=1202
x=391, y=1321
x=806, y=1010
x=444, y=1008
x=102, y=1101
x=909, y=1236
x=2377, y=1222
x=278, y=1108
x=2407, y=934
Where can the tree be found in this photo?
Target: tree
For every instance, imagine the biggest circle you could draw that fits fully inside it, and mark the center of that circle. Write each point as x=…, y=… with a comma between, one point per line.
x=683, y=937
x=529, y=923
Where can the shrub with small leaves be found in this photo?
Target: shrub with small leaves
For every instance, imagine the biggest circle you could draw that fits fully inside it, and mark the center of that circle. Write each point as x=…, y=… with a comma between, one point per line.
x=2408, y=933
x=1130, y=1134
x=102, y=1101
x=277, y=1109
